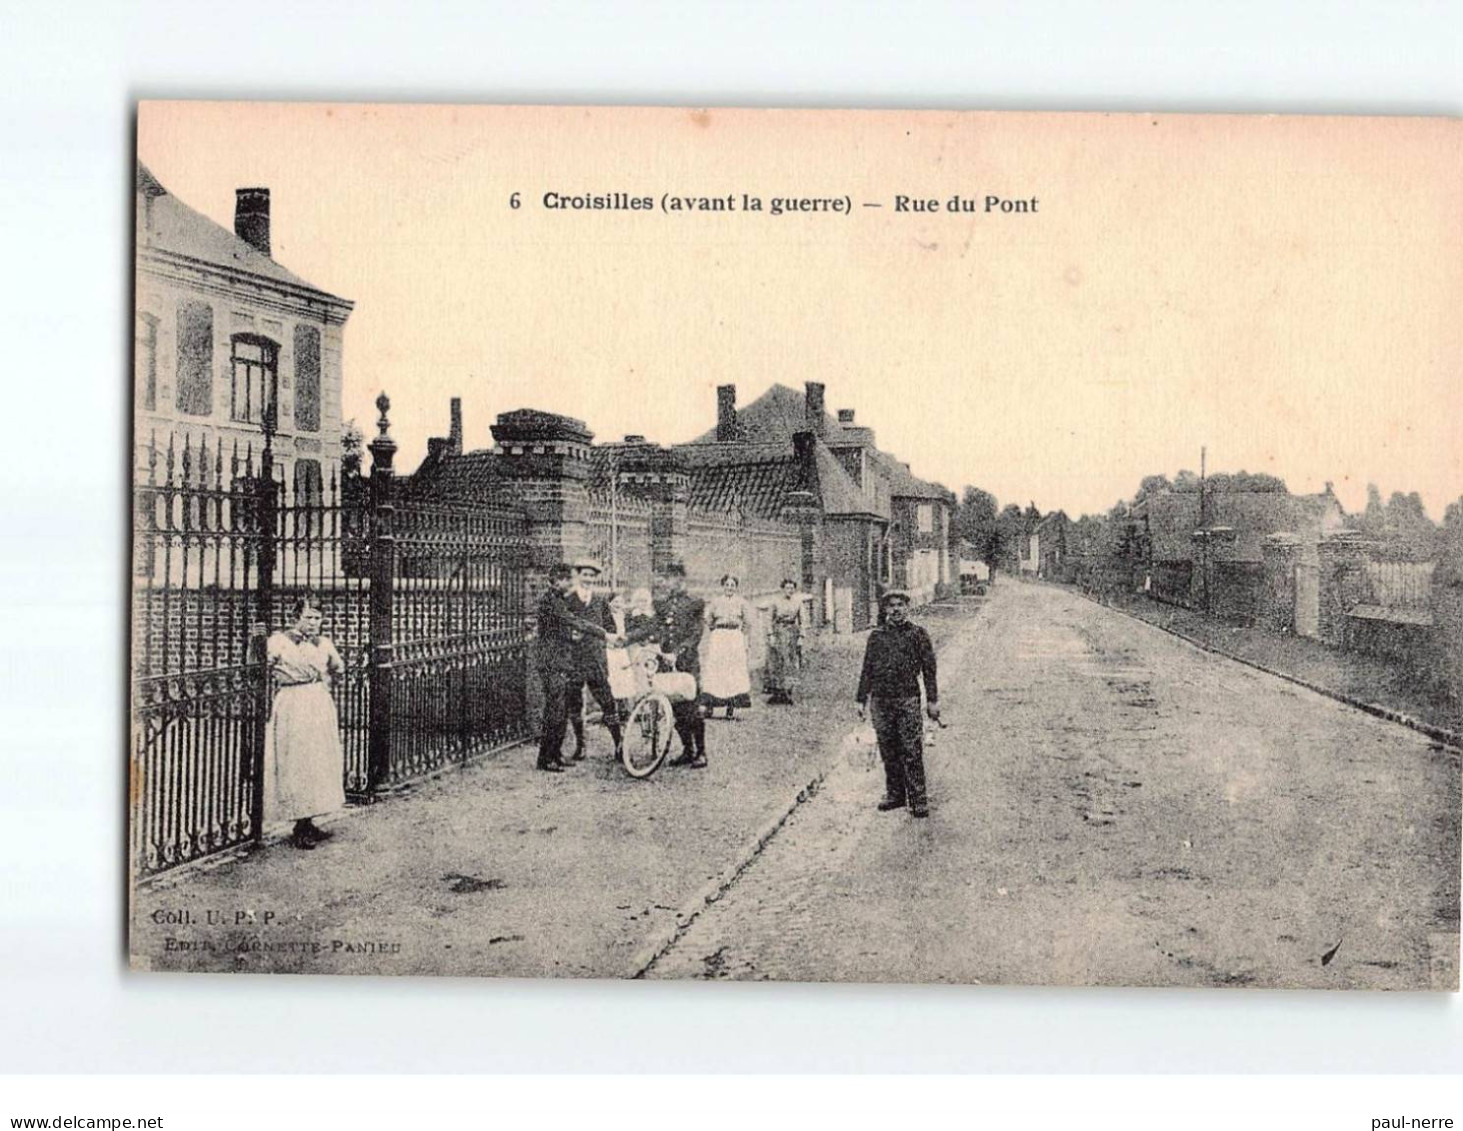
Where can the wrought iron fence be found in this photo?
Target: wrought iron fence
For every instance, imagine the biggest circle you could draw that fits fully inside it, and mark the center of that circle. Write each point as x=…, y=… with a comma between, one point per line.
x=199, y=688
x=424, y=601
x=459, y=648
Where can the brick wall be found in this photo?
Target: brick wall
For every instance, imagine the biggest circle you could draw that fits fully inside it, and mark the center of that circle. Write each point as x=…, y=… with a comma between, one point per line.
x=759, y=552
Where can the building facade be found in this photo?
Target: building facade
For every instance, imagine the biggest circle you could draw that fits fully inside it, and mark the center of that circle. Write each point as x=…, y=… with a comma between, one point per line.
x=228, y=343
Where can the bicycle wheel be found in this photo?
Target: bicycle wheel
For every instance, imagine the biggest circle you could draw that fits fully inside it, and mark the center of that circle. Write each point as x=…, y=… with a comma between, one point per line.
x=647, y=737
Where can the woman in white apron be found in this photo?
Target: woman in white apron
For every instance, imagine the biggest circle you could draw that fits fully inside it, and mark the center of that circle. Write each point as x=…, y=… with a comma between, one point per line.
x=725, y=680
x=304, y=766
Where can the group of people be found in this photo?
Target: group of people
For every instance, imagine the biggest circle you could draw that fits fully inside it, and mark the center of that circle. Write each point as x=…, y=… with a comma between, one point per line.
x=577, y=628
x=582, y=632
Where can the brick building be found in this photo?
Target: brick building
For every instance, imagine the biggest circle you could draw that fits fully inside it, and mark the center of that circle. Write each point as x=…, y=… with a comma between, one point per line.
x=876, y=524
x=227, y=339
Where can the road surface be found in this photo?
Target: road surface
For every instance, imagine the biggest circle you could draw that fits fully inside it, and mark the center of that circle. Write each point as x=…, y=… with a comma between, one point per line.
x=1111, y=806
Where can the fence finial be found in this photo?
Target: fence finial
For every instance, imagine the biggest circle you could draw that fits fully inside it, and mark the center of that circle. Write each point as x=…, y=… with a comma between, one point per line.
x=383, y=447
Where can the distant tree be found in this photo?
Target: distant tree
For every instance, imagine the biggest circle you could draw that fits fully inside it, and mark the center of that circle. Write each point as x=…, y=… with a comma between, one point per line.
x=1258, y=482
x=1009, y=529
x=1373, y=521
x=352, y=444
x=975, y=523
x=1186, y=481
x=1407, y=530
x=1152, y=485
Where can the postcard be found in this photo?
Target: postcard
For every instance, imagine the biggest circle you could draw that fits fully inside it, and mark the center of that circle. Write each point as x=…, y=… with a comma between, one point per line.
x=811, y=545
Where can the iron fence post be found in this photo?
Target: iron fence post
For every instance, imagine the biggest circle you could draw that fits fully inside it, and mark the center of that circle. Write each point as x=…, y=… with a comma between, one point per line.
x=383, y=577
x=267, y=502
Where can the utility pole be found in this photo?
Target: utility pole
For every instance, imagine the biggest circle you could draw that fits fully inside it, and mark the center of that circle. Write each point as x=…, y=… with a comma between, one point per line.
x=1204, y=524
x=614, y=519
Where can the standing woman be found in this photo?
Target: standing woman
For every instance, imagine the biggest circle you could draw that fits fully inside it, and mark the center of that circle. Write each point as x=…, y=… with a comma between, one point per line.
x=304, y=767
x=725, y=681
x=784, y=643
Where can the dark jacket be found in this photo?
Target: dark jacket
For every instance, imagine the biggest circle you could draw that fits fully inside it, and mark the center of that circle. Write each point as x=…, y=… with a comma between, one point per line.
x=561, y=631
x=589, y=648
x=894, y=661
x=677, y=627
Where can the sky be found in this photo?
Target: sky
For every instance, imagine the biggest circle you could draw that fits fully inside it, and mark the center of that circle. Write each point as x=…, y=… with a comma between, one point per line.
x=1283, y=291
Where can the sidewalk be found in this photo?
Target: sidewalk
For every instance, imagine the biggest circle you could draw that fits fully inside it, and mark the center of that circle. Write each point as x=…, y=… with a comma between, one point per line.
x=497, y=869
x=1351, y=676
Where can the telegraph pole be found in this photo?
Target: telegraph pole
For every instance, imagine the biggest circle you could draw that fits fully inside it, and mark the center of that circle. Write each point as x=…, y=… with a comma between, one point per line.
x=1204, y=524
x=614, y=519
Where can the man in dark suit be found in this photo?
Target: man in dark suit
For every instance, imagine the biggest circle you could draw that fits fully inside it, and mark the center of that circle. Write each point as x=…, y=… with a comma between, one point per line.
x=677, y=628
x=560, y=632
x=589, y=668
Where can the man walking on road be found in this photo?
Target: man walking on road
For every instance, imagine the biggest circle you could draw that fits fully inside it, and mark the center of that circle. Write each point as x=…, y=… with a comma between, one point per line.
x=897, y=656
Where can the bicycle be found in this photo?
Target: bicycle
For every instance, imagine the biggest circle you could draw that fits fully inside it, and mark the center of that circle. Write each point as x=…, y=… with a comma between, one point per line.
x=650, y=722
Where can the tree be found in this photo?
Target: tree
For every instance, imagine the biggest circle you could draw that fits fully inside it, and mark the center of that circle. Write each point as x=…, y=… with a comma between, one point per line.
x=1407, y=528
x=352, y=445
x=1009, y=528
x=1374, y=519
x=975, y=523
x=1152, y=485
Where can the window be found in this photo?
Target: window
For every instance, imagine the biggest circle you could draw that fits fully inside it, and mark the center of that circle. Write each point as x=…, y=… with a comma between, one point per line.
x=144, y=360
x=255, y=365
x=307, y=378
x=308, y=498
x=194, y=382
x=926, y=518
x=308, y=490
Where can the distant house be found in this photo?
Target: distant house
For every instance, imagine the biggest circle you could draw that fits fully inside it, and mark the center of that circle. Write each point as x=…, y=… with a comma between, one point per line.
x=1049, y=556
x=771, y=456
x=881, y=526
x=228, y=341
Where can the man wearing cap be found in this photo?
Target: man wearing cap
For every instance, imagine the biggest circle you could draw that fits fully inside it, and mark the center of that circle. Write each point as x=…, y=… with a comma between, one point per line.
x=898, y=655
x=589, y=667
x=676, y=628
x=561, y=632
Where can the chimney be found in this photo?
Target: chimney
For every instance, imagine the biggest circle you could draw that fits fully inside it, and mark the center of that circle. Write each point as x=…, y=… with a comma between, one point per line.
x=813, y=406
x=805, y=444
x=454, y=435
x=726, y=414
x=845, y=416
x=251, y=217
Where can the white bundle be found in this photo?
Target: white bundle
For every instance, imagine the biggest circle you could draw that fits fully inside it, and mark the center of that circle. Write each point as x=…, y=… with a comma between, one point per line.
x=861, y=747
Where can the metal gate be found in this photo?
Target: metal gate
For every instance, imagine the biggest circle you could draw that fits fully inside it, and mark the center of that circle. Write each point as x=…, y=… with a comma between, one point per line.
x=199, y=686
x=425, y=600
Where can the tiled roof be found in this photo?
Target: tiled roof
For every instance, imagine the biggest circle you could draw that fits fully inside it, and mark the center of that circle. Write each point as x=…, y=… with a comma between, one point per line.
x=167, y=224
x=841, y=495
x=471, y=475
x=762, y=473
x=759, y=488
x=773, y=418
x=777, y=415
x=903, y=483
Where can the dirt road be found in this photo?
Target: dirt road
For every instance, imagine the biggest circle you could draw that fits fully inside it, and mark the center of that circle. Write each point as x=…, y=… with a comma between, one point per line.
x=1113, y=807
